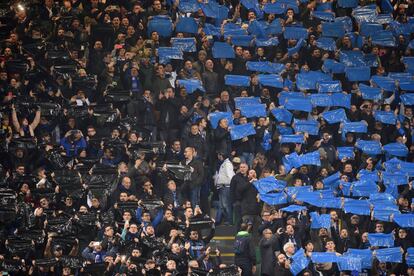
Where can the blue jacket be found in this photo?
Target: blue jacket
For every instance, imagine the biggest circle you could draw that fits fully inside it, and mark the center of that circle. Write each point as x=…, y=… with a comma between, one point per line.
x=72, y=150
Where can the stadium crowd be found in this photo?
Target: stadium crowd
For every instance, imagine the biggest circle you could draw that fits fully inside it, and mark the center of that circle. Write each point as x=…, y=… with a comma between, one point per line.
x=130, y=130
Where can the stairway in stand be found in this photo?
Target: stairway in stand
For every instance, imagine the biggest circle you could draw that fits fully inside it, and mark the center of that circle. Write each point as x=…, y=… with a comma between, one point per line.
x=224, y=240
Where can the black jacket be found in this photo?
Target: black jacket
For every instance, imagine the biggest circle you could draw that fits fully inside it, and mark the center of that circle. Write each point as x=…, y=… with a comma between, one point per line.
x=268, y=247
x=169, y=113
x=197, y=176
x=146, y=112
x=237, y=181
x=222, y=141
x=197, y=142
x=282, y=271
x=169, y=198
x=249, y=204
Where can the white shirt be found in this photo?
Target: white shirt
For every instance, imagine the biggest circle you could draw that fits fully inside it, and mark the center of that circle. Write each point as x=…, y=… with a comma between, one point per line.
x=225, y=173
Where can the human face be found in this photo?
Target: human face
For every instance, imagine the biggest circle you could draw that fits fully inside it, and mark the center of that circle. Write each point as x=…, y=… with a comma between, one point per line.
x=83, y=210
x=188, y=65
x=266, y=217
x=169, y=215
x=133, y=228
x=379, y=228
x=123, y=197
x=150, y=230
x=364, y=237
x=171, y=265
x=147, y=94
x=209, y=64
x=147, y=185
x=175, y=248
x=224, y=123
x=44, y=203
x=225, y=96
x=402, y=234
x=95, y=203
x=122, y=167
x=109, y=231
x=323, y=232
x=136, y=253
x=126, y=216
x=116, y=21
x=7, y=52
x=309, y=247
x=188, y=153
x=267, y=234
x=126, y=182
x=172, y=186
x=194, y=235
x=348, y=168
x=176, y=146
x=334, y=215
x=290, y=250
x=188, y=213
x=239, y=51
x=98, y=45
x=68, y=201
x=91, y=132
x=281, y=258
x=25, y=188
x=290, y=230
x=194, y=129
x=330, y=246
x=354, y=220
x=202, y=56
x=244, y=168
x=146, y=217
x=125, y=21
x=20, y=170
x=157, y=5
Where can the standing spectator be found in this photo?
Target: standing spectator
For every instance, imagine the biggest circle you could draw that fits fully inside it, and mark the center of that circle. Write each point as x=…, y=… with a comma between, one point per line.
x=245, y=254
x=191, y=188
x=222, y=181
x=269, y=249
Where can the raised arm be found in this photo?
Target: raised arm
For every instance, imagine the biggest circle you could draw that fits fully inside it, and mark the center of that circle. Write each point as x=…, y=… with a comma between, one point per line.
x=15, y=120
x=36, y=120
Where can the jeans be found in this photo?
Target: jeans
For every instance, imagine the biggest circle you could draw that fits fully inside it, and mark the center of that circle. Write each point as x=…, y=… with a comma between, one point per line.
x=237, y=214
x=225, y=205
x=204, y=197
x=248, y=158
x=195, y=196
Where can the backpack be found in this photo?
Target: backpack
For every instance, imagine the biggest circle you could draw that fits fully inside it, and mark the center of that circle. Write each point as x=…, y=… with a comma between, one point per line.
x=240, y=244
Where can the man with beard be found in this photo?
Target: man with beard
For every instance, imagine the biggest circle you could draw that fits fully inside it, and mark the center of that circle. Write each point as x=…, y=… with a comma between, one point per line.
x=96, y=57
x=345, y=241
x=179, y=256
x=150, y=243
x=282, y=266
x=319, y=239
